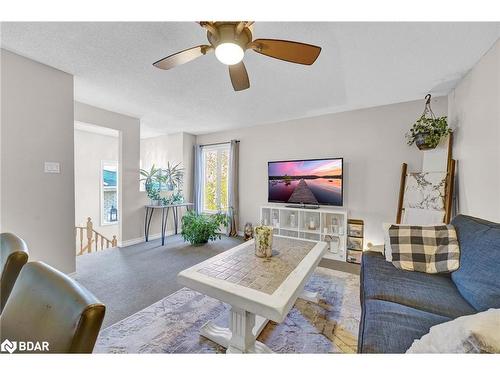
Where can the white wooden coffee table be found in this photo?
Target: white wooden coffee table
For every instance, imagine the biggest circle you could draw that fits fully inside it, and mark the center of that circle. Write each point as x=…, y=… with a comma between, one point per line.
x=257, y=289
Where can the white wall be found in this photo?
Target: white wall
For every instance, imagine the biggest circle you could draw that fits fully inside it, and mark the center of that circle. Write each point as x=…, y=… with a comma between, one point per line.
x=131, y=199
x=474, y=109
x=90, y=150
x=189, y=141
x=174, y=148
x=154, y=150
x=371, y=141
x=37, y=126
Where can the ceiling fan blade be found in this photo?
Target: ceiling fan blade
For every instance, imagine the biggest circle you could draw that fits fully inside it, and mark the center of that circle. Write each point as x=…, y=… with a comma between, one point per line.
x=182, y=57
x=239, y=76
x=295, y=52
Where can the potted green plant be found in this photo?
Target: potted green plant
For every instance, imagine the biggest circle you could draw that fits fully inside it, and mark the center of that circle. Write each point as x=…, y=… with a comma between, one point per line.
x=172, y=176
x=198, y=229
x=152, y=182
x=428, y=130
x=426, y=133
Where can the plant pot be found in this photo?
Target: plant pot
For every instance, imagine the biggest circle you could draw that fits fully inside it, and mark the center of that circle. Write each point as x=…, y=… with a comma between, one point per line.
x=200, y=243
x=421, y=143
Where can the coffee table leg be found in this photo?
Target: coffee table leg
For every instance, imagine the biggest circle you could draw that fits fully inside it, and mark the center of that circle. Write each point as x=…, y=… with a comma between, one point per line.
x=245, y=327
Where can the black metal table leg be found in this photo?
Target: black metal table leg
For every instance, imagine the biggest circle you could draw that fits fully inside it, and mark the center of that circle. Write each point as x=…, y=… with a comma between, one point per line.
x=166, y=218
x=145, y=224
x=148, y=222
x=163, y=225
x=175, y=213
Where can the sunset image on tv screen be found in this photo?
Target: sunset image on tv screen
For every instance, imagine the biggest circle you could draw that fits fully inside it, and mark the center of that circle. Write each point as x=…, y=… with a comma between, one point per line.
x=306, y=181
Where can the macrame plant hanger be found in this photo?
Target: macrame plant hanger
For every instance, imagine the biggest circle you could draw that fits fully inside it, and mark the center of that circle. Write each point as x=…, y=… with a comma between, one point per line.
x=450, y=169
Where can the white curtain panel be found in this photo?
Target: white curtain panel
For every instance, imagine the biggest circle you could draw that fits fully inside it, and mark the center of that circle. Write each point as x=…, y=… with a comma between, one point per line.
x=197, y=179
x=233, y=196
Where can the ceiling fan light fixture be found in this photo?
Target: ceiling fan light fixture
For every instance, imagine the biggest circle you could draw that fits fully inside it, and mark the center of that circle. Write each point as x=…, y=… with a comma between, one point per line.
x=229, y=53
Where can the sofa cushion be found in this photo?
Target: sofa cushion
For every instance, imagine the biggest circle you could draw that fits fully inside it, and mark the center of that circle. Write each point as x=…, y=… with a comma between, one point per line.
x=433, y=293
x=388, y=327
x=478, y=279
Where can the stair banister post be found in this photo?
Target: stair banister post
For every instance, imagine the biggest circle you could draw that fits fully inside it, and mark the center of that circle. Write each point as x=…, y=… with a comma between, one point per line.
x=90, y=228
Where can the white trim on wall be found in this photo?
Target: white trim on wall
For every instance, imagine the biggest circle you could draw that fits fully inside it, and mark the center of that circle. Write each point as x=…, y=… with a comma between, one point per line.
x=135, y=241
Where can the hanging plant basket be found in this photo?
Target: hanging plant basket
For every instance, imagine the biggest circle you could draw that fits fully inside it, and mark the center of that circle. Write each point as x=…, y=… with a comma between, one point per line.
x=421, y=143
x=428, y=130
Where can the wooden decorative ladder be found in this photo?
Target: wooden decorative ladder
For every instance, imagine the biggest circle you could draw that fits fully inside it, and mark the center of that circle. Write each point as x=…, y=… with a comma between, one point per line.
x=92, y=237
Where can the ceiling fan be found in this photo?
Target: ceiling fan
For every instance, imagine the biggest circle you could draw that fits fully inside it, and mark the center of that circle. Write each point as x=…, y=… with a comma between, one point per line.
x=230, y=40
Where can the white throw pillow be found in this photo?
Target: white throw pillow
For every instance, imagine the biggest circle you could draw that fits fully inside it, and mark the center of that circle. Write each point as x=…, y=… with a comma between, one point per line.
x=478, y=333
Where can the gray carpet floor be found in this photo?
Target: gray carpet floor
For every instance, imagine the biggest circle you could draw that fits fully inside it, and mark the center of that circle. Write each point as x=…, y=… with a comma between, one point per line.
x=129, y=279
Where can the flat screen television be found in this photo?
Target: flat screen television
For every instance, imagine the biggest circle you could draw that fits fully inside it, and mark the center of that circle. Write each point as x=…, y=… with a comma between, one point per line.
x=306, y=182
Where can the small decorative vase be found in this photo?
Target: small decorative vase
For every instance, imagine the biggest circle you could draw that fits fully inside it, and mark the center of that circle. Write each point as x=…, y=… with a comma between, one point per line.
x=312, y=224
x=264, y=241
x=248, y=231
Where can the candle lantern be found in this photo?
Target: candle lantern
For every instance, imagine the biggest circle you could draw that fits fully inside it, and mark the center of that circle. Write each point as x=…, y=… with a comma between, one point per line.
x=113, y=214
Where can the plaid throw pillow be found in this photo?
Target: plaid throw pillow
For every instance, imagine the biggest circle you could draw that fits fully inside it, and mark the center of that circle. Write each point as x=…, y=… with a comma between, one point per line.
x=429, y=249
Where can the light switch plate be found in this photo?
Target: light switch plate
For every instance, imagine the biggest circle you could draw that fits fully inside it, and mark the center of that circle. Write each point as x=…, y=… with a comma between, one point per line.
x=52, y=167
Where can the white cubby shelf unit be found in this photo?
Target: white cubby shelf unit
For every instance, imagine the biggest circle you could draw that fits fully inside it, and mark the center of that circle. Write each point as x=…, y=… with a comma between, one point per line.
x=323, y=224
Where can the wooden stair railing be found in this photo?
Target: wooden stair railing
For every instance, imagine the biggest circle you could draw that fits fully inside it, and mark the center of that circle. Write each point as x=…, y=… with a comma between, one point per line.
x=93, y=237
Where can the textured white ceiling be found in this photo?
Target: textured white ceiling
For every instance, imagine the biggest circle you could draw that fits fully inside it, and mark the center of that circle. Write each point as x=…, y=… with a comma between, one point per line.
x=361, y=65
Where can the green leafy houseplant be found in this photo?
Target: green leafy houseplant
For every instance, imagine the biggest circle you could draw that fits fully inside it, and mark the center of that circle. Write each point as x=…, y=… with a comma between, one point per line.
x=427, y=132
x=151, y=182
x=171, y=177
x=198, y=229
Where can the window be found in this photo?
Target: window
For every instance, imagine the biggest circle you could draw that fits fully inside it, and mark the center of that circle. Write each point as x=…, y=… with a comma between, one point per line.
x=215, y=161
x=109, y=192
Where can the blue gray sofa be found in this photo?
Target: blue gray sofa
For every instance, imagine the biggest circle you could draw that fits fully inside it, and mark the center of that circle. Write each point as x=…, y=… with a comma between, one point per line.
x=400, y=306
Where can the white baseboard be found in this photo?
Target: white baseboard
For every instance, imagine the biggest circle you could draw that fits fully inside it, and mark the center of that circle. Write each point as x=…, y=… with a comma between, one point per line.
x=135, y=241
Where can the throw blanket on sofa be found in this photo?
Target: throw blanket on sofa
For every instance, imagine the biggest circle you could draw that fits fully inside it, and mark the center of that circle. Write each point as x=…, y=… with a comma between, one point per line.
x=429, y=249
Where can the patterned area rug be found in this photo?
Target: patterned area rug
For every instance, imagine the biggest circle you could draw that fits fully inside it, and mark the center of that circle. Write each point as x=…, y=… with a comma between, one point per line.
x=172, y=324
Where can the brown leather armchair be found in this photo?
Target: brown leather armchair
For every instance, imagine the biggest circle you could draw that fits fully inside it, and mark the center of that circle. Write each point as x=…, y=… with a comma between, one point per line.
x=13, y=256
x=45, y=305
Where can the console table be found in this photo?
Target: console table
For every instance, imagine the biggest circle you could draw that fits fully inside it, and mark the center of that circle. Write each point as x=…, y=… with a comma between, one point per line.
x=257, y=289
x=164, y=217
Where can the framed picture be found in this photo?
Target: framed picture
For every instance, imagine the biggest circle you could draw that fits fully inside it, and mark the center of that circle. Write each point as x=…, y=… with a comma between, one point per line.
x=355, y=230
x=354, y=243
